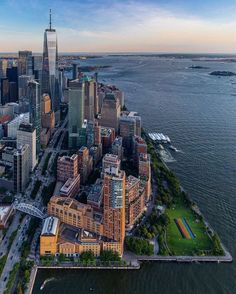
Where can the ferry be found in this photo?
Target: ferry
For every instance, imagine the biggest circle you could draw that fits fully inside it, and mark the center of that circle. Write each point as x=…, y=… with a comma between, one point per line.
x=173, y=148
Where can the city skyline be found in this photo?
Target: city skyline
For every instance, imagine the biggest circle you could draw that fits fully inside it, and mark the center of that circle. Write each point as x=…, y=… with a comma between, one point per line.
x=161, y=26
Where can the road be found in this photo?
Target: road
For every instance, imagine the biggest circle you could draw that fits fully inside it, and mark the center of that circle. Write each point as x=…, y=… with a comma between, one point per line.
x=13, y=227
x=14, y=252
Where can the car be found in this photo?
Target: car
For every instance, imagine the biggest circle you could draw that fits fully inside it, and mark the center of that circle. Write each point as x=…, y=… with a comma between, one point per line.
x=5, y=279
x=11, y=257
x=16, y=244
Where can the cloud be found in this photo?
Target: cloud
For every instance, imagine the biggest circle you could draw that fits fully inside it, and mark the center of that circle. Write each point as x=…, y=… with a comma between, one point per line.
x=124, y=26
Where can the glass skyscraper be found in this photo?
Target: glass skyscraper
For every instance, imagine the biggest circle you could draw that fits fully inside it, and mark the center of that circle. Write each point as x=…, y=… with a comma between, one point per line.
x=76, y=114
x=33, y=94
x=50, y=66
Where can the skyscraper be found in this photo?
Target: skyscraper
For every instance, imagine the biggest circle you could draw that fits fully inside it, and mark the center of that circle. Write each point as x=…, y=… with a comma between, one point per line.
x=21, y=168
x=12, y=75
x=33, y=93
x=4, y=91
x=26, y=135
x=25, y=63
x=76, y=113
x=110, y=112
x=50, y=66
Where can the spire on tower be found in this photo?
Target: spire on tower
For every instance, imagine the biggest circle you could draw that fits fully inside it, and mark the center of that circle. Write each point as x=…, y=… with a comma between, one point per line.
x=50, y=19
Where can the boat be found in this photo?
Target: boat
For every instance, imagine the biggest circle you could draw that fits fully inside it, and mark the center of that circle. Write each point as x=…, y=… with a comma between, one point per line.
x=173, y=148
x=45, y=282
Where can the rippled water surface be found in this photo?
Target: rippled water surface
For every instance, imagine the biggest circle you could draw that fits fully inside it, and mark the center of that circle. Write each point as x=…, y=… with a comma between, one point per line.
x=198, y=112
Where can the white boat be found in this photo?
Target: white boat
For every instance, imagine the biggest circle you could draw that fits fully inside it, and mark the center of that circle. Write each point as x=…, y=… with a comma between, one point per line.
x=173, y=148
x=45, y=282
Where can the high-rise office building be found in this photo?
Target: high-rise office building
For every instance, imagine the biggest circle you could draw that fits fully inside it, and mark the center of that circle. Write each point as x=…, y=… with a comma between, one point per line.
x=110, y=112
x=23, y=81
x=46, y=104
x=75, y=113
x=13, y=92
x=25, y=63
x=14, y=124
x=21, y=168
x=37, y=67
x=117, y=147
x=139, y=146
x=4, y=91
x=12, y=75
x=67, y=167
x=130, y=125
x=85, y=163
x=48, y=116
x=3, y=67
x=90, y=134
x=74, y=71
x=97, y=134
x=89, y=96
x=50, y=66
x=34, y=95
x=26, y=135
x=114, y=205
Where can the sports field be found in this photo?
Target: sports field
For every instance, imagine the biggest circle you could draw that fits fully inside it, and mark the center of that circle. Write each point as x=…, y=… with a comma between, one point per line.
x=176, y=241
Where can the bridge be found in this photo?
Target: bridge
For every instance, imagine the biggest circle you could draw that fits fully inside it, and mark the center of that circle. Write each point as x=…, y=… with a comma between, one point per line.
x=30, y=209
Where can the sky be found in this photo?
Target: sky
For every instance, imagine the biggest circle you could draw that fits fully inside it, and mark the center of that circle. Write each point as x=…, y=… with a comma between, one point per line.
x=193, y=26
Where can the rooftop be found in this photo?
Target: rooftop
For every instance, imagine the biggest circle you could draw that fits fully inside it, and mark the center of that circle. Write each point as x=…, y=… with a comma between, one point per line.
x=50, y=226
x=131, y=181
x=139, y=140
x=111, y=158
x=4, y=210
x=96, y=193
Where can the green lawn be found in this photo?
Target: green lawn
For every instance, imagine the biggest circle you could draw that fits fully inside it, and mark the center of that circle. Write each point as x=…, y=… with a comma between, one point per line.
x=176, y=243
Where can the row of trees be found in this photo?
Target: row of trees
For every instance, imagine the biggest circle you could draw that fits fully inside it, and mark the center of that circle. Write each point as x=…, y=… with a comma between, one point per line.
x=48, y=192
x=36, y=189
x=86, y=257
x=45, y=166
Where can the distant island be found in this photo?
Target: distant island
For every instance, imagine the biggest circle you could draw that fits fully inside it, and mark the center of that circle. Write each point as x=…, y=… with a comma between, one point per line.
x=223, y=73
x=198, y=67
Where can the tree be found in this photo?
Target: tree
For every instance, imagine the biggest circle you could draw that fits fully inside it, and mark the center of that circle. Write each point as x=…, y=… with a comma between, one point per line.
x=109, y=255
x=61, y=257
x=139, y=246
x=87, y=256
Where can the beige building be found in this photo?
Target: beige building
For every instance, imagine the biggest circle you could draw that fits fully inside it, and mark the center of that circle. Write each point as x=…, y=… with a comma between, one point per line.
x=49, y=236
x=74, y=213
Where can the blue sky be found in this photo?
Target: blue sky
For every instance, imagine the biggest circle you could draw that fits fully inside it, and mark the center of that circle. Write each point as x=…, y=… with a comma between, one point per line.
x=115, y=26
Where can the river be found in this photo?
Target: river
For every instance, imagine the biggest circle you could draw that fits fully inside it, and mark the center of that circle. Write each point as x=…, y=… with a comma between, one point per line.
x=198, y=112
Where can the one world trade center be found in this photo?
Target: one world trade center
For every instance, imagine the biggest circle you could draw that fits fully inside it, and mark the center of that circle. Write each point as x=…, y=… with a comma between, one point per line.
x=50, y=66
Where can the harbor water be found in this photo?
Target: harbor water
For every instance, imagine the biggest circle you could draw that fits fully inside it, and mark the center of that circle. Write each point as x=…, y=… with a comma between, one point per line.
x=198, y=112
